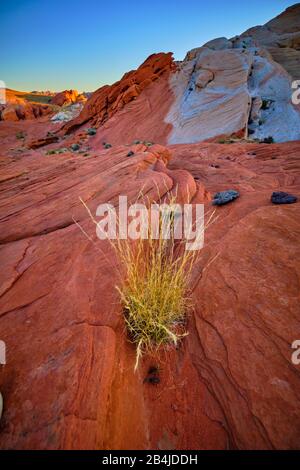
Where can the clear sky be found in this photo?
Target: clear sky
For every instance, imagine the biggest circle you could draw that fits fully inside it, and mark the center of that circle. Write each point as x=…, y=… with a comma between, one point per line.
x=61, y=44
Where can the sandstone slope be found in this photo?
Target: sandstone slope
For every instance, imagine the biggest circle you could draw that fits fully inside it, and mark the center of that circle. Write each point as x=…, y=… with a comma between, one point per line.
x=69, y=381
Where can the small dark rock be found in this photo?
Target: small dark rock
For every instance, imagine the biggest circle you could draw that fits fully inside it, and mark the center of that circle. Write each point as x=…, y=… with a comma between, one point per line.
x=280, y=197
x=91, y=131
x=130, y=154
x=224, y=197
x=268, y=140
x=75, y=147
x=107, y=146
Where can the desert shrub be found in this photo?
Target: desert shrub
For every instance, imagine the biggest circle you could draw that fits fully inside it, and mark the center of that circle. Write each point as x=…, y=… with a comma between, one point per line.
x=20, y=135
x=57, y=151
x=154, y=286
x=107, y=146
x=154, y=290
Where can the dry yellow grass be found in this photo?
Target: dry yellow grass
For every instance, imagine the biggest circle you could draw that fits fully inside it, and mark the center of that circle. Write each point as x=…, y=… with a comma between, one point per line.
x=154, y=285
x=154, y=289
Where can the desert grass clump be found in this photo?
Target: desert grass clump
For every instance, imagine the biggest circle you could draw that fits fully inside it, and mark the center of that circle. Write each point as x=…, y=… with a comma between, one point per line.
x=154, y=287
x=154, y=282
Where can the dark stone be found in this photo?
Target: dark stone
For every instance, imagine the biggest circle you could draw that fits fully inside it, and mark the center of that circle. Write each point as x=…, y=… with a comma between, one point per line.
x=130, y=154
x=280, y=197
x=224, y=197
x=91, y=131
x=75, y=147
x=107, y=146
x=268, y=140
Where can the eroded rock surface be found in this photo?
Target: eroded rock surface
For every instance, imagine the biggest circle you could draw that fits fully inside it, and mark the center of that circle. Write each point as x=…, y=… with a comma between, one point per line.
x=106, y=101
x=69, y=379
x=67, y=97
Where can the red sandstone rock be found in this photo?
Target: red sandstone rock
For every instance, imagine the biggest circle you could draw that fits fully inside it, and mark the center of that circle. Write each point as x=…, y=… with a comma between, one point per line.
x=66, y=97
x=35, y=144
x=104, y=103
x=69, y=382
x=230, y=385
x=9, y=113
x=24, y=110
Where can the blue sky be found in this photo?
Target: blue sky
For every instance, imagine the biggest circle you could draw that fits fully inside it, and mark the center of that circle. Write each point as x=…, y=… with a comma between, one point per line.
x=61, y=44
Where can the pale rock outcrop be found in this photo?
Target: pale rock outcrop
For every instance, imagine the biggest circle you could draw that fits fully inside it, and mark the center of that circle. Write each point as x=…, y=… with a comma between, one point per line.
x=241, y=86
x=281, y=37
x=219, y=44
x=220, y=107
x=68, y=113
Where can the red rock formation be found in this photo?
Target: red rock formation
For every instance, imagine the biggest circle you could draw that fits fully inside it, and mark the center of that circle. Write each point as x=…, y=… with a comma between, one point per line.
x=67, y=97
x=20, y=111
x=69, y=381
x=107, y=100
